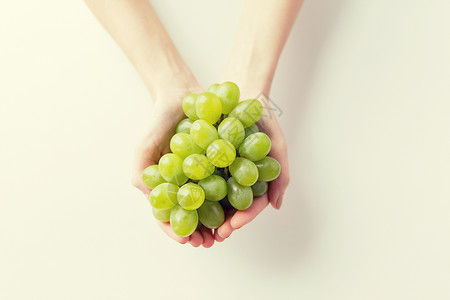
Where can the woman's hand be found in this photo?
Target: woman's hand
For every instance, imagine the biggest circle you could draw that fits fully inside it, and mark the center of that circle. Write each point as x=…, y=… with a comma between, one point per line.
x=164, y=118
x=251, y=65
x=139, y=32
x=269, y=125
x=254, y=57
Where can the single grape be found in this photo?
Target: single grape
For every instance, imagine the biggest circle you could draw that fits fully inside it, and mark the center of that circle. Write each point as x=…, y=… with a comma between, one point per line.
x=184, y=126
x=221, y=153
x=182, y=221
x=162, y=215
x=248, y=112
x=244, y=171
x=151, y=176
x=250, y=130
x=229, y=93
x=211, y=214
x=197, y=167
x=164, y=196
x=215, y=187
x=190, y=196
x=208, y=107
x=259, y=188
x=171, y=169
x=255, y=147
x=268, y=168
x=189, y=105
x=213, y=87
x=239, y=196
x=203, y=133
x=183, y=145
x=231, y=129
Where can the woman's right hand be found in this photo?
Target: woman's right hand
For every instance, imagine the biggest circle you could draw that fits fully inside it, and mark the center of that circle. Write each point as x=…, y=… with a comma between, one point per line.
x=165, y=115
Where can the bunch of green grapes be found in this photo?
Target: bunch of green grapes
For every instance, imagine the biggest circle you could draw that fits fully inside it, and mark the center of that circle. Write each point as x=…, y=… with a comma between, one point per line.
x=219, y=161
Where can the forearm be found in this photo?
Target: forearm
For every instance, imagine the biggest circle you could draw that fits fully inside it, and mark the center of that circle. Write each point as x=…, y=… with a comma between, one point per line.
x=262, y=33
x=139, y=32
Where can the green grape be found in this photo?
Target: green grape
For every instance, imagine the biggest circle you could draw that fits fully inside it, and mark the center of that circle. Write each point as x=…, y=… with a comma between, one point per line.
x=189, y=105
x=215, y=187
x=203, y=133
x=244, y=171
x=248, y=112
x=208, y=107
x=231, y=129
x=197, y=167
x=171, y=169
x=221, y=153
x=162, y=215
x=239, y=196
x=229, y=93
x=211, y=214
x=184, y=126
x=152, y=177
x=213, y=87
x=250, y=130
x=255, y=147
x=164, y=196
x=225, y=203
x=259, y=188
x=182, y=221
x=190, y=196
x=269, y=169
x=183, y=145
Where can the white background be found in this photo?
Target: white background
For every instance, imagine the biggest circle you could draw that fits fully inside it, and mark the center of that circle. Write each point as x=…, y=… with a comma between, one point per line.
x=364, y=89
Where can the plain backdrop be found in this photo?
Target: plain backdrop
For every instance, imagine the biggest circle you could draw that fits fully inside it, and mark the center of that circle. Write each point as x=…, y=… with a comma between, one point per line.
x=365, y=97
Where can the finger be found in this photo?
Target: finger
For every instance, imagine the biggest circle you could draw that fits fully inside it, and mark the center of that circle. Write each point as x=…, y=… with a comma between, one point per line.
x=280, y=201
x=143, y=157
x=208, y=239
x=166, y=228
x=276, y=190
x=278, y=187
x=225, y=230
x=244, y=217
x=217, y=237
x=196, y=239
x=141, y=161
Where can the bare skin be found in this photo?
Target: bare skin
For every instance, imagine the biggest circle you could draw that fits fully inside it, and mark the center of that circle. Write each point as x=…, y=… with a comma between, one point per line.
x=252, y=63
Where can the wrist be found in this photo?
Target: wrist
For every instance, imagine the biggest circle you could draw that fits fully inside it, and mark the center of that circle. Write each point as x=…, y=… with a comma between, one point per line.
x=251, y=86
x=166, y=74
x=168, y=97
x=253, y=79
x=168, y=86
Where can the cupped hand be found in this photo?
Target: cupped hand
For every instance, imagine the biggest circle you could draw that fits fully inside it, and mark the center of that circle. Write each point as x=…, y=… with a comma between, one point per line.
x=166, y=114
x=235, y=220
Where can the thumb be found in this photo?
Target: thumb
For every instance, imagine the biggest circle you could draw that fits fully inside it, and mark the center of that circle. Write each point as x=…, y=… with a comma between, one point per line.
x=144, y=156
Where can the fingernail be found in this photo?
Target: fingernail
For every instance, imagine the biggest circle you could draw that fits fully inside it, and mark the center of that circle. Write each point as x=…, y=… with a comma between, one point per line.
x=279, y=202
x=234, y=225
x=218, y=238
x=192, y=244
